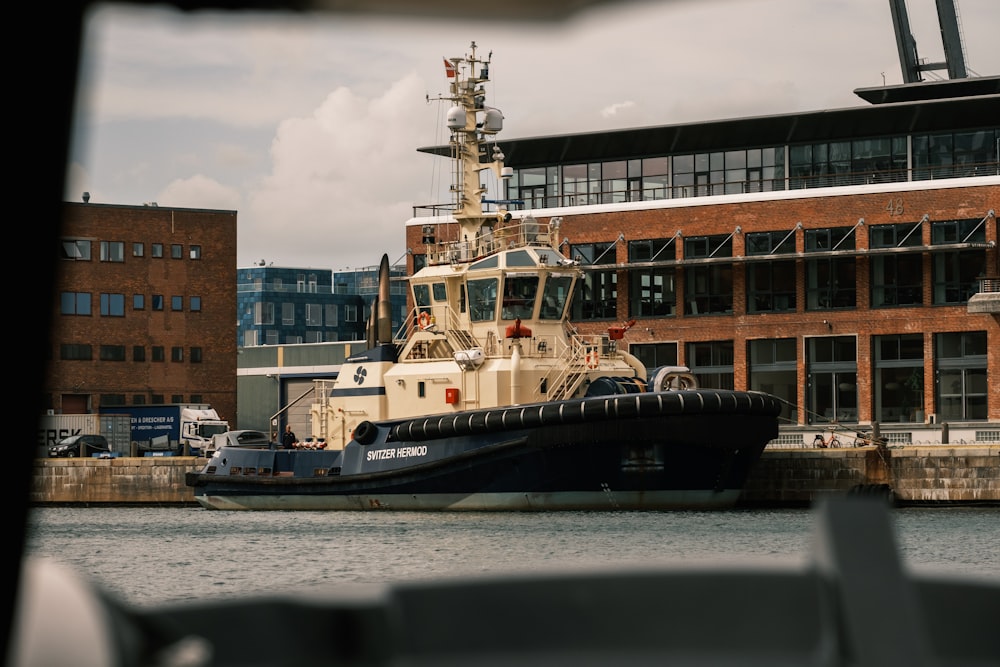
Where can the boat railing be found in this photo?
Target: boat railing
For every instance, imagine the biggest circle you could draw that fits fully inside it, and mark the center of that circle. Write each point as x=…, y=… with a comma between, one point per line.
x=439, y=319
x=491, y=239
x=579, y=355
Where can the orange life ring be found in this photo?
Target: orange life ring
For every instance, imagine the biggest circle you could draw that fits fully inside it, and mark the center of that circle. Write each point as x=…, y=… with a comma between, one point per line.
x=593, y=359
x=424, y=319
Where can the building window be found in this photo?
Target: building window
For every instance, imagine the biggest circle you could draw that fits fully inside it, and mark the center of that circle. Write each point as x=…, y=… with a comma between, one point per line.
x=138, y=353
x=156, y=250
x=112, y=251
x=773, y=370
x=293, y=339
x=177, y=354
x=194, y=252
x=75, y=303
x=314, y=336
x=314, y=315
x=250, y=338
x=157, y=302
x=195, y=357
x=770, y=243
x=176, y=303
x=196, y=398
x=708, y=289
x=113, y=305
x=158, y=353
x=112, y=353
x=287, y=314
x=138, y=249
x=711, y=363
x=177, y=251
x=954, y=154
x=263, y=312
x=651, y=290
x=771, y=287
x=138, y=399
x=830, y=281
x=652, y=293
x=899, y=378
x=138, y=302
x=75, y=352
x=271, y=337
x=597, y=295
x=962, y=387
x=956, y=273
x=76, y=249
x=156, y=399
x=194, y=303
x=112, y=400
x=351, y=311
x=331, y=314
x=833, y=379
x=897, y=280
x=654, y=355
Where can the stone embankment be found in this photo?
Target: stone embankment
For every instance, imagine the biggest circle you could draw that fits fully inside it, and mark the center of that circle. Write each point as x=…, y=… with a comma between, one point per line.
x=914, y=475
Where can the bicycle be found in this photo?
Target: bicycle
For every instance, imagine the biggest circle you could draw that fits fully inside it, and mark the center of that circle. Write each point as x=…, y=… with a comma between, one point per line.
x=823, y=443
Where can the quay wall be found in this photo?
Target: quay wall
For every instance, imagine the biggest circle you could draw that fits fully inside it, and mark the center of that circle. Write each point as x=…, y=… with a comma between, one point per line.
x=915, y=475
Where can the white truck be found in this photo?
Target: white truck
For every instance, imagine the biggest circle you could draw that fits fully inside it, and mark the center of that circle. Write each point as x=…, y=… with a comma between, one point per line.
x=168, y=429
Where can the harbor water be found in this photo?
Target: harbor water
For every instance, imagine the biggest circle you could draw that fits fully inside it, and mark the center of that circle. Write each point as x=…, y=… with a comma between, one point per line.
x=152, y=555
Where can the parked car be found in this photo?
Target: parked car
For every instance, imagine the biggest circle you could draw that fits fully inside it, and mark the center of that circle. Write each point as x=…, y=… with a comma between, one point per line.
x=70, y=447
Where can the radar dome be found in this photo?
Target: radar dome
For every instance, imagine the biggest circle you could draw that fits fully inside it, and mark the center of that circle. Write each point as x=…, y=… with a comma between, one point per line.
x=456, y=118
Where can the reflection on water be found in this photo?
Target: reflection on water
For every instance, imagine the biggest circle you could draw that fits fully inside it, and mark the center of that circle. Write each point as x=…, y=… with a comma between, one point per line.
x=154, y=555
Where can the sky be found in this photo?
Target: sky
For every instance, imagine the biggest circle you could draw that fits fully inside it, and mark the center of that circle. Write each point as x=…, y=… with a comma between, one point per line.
x=308, y=125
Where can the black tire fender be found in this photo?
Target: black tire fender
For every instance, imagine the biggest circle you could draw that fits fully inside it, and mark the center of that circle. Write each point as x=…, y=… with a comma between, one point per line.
x=365, y=432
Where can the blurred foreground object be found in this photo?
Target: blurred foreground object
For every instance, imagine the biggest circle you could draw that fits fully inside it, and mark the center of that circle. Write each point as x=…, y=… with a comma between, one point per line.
x=852, y=603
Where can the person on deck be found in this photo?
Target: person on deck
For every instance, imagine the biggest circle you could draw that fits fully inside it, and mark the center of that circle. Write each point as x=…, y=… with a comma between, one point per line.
x=288, y=440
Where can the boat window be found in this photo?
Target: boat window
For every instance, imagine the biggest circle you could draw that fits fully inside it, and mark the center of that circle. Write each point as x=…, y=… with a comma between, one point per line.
x=483, y=299
x=520, y=258
x=556, y=295
x=421, y=295
x=488, y=263
x=519, y=293
x=440, y=294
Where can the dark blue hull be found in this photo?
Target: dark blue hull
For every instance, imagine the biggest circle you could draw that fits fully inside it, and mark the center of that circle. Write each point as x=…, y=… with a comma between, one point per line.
x=664, y=450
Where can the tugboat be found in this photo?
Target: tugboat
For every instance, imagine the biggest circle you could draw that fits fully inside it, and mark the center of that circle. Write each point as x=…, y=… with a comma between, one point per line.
x=487, y=398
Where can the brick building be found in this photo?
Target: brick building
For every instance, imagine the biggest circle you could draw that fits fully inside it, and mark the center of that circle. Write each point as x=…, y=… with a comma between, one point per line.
x=143, y=309
x=843, y=260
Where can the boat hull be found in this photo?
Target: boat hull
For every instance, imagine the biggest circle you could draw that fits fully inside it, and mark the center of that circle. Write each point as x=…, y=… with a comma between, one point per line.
x=671, y=450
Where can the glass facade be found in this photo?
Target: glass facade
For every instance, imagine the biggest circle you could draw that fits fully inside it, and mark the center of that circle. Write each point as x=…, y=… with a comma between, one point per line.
x=858, y=161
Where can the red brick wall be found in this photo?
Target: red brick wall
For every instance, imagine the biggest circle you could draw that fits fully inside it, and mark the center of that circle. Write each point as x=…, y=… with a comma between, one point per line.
x=815, y=209
x=212, y=277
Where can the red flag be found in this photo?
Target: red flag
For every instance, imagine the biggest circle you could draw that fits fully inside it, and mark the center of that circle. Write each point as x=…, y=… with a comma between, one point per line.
x=449, y=69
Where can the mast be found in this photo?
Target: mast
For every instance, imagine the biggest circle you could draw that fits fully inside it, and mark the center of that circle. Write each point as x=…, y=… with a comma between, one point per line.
x=472, y=124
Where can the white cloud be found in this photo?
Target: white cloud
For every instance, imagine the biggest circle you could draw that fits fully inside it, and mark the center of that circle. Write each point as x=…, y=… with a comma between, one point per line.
x=199, y=191
x=616, y=109
x=343, y=181
x=309, y=126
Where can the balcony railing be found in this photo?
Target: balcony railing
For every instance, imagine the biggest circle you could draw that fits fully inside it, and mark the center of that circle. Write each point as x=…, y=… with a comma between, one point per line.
x=679, y=191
